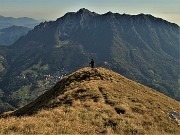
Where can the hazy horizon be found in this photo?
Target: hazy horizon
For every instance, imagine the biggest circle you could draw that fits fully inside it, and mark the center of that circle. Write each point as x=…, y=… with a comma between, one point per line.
x=51, y=10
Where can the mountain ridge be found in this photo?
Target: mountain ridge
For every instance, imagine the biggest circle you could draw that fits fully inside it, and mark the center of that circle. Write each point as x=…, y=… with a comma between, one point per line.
x=11, y=34
x=145, y=50
x=20, y=21
x=84, y=76
x=98, y=98
x=84, y=10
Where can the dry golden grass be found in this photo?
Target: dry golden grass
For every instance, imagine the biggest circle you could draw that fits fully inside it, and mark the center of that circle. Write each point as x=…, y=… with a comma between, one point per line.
x=95, y=101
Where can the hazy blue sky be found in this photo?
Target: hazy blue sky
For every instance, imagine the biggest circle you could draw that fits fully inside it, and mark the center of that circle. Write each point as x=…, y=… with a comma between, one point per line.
x=53, y=9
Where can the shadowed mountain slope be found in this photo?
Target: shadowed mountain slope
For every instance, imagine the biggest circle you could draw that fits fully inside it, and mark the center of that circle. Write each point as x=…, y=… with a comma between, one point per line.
x=141, y=47
x=11, y=34
x=93, y=101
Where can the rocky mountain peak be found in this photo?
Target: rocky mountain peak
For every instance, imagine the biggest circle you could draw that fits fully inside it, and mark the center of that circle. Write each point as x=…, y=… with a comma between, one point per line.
x=85, y=11
x=109, y=13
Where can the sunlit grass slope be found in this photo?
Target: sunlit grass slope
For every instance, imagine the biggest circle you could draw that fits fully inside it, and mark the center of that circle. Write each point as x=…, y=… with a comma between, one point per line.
x=95, y=101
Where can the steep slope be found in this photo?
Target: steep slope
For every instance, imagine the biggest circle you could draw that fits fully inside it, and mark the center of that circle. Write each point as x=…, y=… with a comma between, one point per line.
x=3, y=61
x=4, y=106
x=94, y=101
x=11, y=34
x=140, y=47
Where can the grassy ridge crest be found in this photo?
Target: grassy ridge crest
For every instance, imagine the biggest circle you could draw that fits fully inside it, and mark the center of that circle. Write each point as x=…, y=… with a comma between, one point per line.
x=95, y=101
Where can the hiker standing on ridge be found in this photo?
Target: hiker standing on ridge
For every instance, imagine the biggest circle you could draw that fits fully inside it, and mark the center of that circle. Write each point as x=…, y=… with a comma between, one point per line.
x=92, y=63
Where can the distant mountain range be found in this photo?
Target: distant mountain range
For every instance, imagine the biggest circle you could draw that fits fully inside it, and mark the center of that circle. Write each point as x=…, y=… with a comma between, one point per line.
x=11, y=29
x=11, y=34
x=140, y=47
x=22, y=21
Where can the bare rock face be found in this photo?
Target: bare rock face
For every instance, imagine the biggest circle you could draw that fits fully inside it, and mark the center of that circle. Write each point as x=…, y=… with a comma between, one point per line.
x=175, y=116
